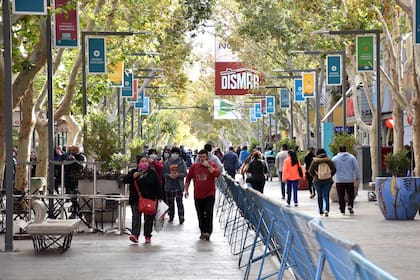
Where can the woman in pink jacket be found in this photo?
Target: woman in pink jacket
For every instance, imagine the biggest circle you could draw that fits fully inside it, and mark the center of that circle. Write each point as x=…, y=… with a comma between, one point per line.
x=291, y=176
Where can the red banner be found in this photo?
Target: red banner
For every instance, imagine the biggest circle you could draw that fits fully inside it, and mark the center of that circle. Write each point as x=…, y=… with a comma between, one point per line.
x=66, y=26
x=232, y=78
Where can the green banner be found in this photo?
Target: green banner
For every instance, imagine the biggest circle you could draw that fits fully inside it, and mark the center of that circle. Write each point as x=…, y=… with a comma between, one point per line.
x=365, y=53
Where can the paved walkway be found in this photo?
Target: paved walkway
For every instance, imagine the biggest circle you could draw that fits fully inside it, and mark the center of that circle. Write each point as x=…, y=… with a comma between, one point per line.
x=177, y=253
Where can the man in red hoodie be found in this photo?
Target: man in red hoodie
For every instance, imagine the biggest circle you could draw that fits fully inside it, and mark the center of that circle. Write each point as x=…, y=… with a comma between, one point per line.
x=204, y=174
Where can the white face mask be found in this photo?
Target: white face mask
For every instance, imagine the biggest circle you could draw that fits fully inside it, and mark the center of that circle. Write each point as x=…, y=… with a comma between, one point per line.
x=174, y=156
x=153, y=156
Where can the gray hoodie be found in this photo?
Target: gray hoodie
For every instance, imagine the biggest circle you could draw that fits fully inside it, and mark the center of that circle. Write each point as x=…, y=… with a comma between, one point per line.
x=347, y=168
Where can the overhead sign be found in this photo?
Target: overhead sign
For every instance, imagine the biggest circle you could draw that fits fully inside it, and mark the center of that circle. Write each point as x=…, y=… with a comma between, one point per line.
x=271, y=102
x=308, y=80
x=66, y=25
x=263, y=106
x=135, y=91
x=32, y=7
x=140, y=100
x=225, y=110
x=334, y=72
x=284, y=98
x=298, y=91
x=231, y=76
x=127, y=89
x=115, y=74
x=258, y=113
x=365, y=53
x=96, y=55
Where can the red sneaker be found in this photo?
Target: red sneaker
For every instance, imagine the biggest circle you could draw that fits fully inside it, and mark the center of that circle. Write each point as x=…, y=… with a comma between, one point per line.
x=134, y=239
x=148, y=239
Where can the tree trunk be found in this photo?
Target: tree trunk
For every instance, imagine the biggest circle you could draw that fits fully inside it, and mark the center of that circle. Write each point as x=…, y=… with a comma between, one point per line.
x=25, y=139
x=42, y=166
x=397, y=116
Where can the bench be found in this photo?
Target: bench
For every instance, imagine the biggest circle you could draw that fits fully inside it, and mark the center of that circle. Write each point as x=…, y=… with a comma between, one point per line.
x=50, y=234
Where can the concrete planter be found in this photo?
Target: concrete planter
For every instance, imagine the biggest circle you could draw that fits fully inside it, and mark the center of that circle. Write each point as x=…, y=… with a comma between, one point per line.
x=398, y=197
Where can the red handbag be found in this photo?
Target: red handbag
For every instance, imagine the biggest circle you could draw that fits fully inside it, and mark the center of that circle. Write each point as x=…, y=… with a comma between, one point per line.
x=145, y=205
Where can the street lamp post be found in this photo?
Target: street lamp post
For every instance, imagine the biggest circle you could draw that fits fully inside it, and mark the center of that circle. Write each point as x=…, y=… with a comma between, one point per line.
x=317, y=102
x=377, y=33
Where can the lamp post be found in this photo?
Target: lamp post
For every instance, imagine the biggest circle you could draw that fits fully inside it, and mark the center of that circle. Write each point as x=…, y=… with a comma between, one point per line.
x=317, y=101
x=377, y=33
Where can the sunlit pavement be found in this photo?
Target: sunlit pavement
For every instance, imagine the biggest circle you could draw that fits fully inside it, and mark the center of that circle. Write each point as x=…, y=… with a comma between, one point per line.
x=177, y=253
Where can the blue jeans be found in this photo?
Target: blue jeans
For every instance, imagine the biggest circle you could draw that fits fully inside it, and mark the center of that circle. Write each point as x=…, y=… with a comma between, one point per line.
x=323, y=189
x=292, y=184
x=282, y=185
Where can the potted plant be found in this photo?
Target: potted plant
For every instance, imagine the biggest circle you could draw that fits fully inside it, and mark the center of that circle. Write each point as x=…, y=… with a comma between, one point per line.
x=398, y=195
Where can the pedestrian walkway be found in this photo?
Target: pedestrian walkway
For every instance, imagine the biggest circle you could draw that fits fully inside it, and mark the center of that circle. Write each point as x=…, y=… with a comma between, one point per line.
x=177, y=253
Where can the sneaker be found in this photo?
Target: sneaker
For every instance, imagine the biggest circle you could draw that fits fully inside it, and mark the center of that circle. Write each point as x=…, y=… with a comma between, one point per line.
x=202, y=236
x=351, y=210
x=288, y=205
x=342, y=213
x=283, y=197
x=312, y=196
x=296, y=205
x=181, y=220
x=326, y=213
x=148, y=239
x=206, y=236
x=134, y=238
x=171, y=219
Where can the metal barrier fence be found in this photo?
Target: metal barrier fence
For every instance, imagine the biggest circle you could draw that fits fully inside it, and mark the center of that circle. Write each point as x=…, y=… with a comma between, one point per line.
x=259, y=229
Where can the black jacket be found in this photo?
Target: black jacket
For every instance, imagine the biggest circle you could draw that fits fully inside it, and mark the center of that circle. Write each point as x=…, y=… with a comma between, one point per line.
x=149, y=185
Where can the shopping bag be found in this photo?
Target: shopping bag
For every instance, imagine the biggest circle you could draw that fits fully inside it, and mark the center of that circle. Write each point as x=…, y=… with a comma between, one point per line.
x=161, y=210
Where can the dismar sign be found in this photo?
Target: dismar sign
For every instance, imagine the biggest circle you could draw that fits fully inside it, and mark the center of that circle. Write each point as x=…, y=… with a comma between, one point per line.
x=232, y=78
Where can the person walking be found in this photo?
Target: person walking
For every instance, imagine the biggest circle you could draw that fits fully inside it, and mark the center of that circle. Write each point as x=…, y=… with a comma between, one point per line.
x=270, y=158
x=258, y=170
x=204, y=173
x=322, y=170
x=346, y=176
x=230, y=162
x=244, y=154
x=309, y=157
x=280, y=157
x=145, y=179
x=174, y=172
x=291, y=176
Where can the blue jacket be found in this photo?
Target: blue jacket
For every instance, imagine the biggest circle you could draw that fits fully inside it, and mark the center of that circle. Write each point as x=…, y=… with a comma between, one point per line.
x=347, y=168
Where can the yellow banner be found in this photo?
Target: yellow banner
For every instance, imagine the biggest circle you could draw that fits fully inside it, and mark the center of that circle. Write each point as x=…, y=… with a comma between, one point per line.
x=116, y=74
x=308, y=84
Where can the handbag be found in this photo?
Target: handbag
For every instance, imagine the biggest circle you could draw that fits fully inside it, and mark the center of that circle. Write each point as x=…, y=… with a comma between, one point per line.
x=145, y=205
x=300, y=171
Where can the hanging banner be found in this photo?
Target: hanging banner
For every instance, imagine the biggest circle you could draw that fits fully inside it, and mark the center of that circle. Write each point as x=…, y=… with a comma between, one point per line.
x=32, y=7
x=146, y=106
x=140, y=100
x=134, y=98
x=231, y=76
x=115, y=74
x=308, y=80
x=284, y=98
x=334, y=75
x=96, y=55
x=252, y=116
x=270, y=101
x=66, y=25
x=416, y=22
x=258, y=113
x=298, y=91
x=263, y=107
x=225, y=110
x=127, y=89
x=365, y=51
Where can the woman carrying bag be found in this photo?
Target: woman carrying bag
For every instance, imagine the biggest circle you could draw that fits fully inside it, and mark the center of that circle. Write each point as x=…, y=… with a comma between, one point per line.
x=148, y=184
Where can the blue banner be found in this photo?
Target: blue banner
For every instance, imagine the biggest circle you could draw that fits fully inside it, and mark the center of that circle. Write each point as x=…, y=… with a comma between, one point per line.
x=258, y=112
x=140, y=100
x=298, y=91
x=30, y=7
x=270, y=104
x=252, y=116
x=417, y=22
x=284, y=98
x=96, y=56
x=334, y=72
x=146, y=106
x=127, y=90
x=327, y=136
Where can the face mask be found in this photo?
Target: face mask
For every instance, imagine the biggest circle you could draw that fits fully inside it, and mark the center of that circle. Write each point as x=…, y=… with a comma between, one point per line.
x=153, y=156
x=166, y=155
x=143, y=165
x=175, y=156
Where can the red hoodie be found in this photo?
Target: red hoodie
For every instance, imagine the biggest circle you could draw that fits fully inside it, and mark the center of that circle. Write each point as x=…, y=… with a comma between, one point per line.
x=204, y=180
